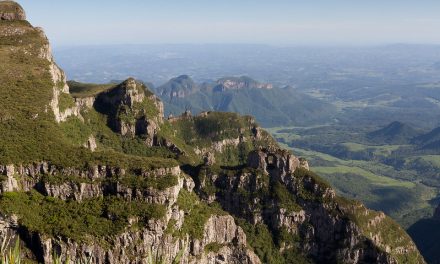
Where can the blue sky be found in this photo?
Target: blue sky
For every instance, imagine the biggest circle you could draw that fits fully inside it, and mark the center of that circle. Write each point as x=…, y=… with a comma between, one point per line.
x=278, y=22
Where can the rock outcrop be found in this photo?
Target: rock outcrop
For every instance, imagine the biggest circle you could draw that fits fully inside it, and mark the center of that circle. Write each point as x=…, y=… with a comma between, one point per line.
x=234, y=83
x=131, y=110
x=10, y=10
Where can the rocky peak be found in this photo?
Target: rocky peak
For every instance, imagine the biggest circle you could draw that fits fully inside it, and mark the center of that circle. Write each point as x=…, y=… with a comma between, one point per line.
x=132, y=108
x=178, y=87
x=279, y=162
x=10, y=10
x=237, y=83
x=128, y=93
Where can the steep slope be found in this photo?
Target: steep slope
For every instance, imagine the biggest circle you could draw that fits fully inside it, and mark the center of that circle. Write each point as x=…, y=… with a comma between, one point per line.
x=103, y=175
x=394, y=133
x=425, y=233
x=429, y=141
x=178, y=87
x=249, y=97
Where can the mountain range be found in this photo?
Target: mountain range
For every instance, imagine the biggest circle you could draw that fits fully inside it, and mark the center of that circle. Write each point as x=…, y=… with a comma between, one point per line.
x=245, y=96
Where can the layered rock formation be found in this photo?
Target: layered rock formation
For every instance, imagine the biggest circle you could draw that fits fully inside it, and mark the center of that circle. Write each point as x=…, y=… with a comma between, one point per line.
x=237, y=83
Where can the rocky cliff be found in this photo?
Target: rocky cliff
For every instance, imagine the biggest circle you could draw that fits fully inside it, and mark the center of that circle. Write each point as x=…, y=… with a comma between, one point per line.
x=101, y=175
x=238, y=83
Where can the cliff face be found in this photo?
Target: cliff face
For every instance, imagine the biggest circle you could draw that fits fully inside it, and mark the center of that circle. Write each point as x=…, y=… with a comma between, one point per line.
x=103, y=176
x=276, y=190
x=234, y=83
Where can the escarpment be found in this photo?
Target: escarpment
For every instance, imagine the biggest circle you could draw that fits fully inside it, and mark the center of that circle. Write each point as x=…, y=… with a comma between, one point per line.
x=95, y=172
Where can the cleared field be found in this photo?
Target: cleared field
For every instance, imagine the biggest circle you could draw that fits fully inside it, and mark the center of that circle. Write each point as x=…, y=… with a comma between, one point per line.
x=354, y=167
x=386, y=149
x=433, y=159
x=375, y=179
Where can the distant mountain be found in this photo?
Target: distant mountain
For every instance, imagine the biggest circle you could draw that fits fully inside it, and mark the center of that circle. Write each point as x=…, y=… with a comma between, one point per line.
x=394, y=133
x=429, y=140
x=238, y=83
x=178, y=87
x=270, y=105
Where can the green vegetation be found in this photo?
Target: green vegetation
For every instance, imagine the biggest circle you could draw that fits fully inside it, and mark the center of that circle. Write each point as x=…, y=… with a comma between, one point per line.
x=267, y=105
x=391, y=233
x=260, y=239
x=65, y=101
x=99, y=218
x=197, y=213
x=26, y=89
x=390, y=178
x=215, y=126
x=148, y=107
x=376, y=179
x=30, y=134
x=205, y=131
x=213, y=247
x=81, y=90
x=284, y=198
x=155, y=182
x=11, y=256
x=76, y=130
x=373, y=183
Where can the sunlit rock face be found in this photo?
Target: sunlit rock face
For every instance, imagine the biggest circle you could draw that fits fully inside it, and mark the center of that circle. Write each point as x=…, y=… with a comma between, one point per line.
x=10, y=10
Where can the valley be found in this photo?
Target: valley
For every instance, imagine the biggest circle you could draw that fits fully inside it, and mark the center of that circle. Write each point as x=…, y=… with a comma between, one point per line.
x=401, y=185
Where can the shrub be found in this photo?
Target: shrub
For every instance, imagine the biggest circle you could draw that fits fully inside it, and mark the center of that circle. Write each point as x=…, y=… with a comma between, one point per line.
x=98, y=217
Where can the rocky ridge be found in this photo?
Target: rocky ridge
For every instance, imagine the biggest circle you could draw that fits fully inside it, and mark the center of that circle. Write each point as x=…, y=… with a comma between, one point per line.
x=237, y=83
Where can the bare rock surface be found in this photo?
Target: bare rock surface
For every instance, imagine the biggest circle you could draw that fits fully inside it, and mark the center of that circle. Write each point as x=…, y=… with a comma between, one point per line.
x=10, y=10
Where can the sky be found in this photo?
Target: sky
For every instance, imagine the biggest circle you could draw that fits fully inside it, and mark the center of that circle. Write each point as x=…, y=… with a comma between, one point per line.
x=274, y=22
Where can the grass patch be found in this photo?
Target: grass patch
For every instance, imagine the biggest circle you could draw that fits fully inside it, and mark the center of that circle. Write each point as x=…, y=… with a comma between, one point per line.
x=65, y=102
x=98, y=218
x=213, y=247
x=81, y=90
x=284, y=198
x=260, y=239
x=158, y=183
x=196, y=213
x=376, y=179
